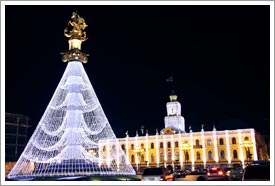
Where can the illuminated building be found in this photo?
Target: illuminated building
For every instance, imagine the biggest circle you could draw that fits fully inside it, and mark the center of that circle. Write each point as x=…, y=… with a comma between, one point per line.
x=176, y=148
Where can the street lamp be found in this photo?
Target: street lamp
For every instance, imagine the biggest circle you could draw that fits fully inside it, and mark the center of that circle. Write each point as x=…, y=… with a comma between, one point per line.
x=138, y=151
x=247, y=146
x=185, y=149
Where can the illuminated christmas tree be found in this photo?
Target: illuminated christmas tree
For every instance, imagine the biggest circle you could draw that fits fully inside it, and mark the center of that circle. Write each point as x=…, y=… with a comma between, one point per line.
x=66, y=140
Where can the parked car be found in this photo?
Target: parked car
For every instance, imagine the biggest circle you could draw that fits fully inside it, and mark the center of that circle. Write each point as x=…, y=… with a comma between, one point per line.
x=188, y=172
x=204, y=171
x=234, y=174
x=257, y=172
x=215, y=173
x=157, y=174
x=180, y=174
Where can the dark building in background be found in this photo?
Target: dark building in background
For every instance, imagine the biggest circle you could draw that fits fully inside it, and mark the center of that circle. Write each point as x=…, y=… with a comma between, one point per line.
x=16, y=135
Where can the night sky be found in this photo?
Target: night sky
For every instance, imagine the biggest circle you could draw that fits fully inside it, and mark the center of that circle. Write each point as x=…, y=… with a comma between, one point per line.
x=218, y=57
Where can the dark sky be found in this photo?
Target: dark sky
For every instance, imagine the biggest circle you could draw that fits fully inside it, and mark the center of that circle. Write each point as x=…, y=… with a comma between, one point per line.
x=218, y=56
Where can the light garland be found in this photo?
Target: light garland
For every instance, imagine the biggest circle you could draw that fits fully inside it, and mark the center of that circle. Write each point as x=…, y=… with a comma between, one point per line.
x=66, y=140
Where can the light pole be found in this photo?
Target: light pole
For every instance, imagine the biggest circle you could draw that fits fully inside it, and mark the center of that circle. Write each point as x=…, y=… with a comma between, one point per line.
x=247, y=146
x=185, y=149
x=138, y=151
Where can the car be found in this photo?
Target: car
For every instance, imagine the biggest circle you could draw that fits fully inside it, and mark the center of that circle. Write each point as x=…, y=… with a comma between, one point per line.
x=216, y=173
x=180, y=174
x=188, y=172
x=257, y=172
x=204, y=171
x=234, y=174
x=157, y=174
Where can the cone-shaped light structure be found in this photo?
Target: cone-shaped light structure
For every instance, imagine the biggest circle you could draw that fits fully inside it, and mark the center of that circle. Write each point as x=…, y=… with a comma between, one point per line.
x=73, y=135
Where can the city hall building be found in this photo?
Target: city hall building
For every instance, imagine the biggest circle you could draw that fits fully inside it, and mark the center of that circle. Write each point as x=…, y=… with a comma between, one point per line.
x=176, y=148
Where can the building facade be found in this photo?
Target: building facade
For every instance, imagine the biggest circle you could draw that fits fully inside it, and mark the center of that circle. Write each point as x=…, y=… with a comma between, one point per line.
x=16, y=135
x=175, y=148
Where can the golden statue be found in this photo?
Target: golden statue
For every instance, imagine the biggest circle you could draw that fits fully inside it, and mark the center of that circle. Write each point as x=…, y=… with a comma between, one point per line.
x=77, y=36
x=77, y=32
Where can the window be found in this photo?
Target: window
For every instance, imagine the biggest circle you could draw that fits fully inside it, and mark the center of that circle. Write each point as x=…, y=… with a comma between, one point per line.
x=132, y=146
x=221, y=141
x=177, y=156
x=186, y=156
x=210, y=155
x=152, y=158
x=246, y=139
x=142, y=146
x=104, y=148
x=169, y=156
x=161, y=157
x=209, y=142
x=235, y=154
x=176, y=144
x=22, y=130
x=169, y=145
x=123, y=147
x=197, y=142
x=198, y=156
x=152, y=145
x=142, y=158
x=233, y=140
x=132, y=158
x=222, y=155
x=161, y=145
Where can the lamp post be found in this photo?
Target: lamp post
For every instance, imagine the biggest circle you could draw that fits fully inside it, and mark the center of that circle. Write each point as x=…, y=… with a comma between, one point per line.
x=185, y=149
x=247, y=146
x=138, y=151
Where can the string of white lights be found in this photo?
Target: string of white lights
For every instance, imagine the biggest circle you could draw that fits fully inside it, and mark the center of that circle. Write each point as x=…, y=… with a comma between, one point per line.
x=66, y=140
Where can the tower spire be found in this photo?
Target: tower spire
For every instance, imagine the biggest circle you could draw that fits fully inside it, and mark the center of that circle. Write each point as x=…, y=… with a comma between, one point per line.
x=76, y=36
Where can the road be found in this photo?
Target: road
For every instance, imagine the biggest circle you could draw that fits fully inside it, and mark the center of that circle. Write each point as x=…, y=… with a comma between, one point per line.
x=188, y=178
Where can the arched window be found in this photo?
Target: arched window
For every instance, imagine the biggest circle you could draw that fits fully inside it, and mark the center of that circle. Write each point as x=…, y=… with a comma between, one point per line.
x=142, y=158
x=161, y=145
x=222, y=155
x=152, y=158
x=209, y=142
x=132, y=158
x=123, y=147
x=186, y=156
x=176, y=144
x=177, y=156
x=221, y=141
x=161, y=157
x=152, y=145
x=169, y=144
x=132, y=146
x=104, y=149
x=233, y=140
x=210, y=155
x=235, y=154
x=198, y=156
x=169, y=156
x=197, y=142
x=142, y=146
x=246, y=139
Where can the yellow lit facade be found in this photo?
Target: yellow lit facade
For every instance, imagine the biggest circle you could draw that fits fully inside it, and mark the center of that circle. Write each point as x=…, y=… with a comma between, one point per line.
x=190, y=150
